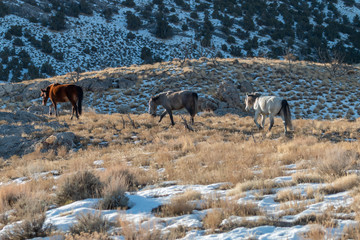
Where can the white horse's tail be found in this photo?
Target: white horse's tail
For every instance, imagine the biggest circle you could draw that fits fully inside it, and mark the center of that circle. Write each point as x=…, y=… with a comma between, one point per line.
x=285, y=109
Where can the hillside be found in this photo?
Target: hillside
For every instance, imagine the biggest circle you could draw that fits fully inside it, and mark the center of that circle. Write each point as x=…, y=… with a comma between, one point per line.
x=314, y=91
x=42, y=38
x=117, y=173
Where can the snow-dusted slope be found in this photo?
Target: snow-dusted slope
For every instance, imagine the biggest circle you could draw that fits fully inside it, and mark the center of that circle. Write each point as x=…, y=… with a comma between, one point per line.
x=92, y=42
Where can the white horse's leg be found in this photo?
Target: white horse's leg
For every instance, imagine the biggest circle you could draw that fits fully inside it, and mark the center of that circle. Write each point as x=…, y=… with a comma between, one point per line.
x=263, y=117
x=271, y=121
x=255, y=119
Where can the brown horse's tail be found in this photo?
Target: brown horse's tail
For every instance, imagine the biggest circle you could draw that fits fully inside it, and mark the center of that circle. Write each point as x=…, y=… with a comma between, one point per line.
x=80, y=98
x=287, y=114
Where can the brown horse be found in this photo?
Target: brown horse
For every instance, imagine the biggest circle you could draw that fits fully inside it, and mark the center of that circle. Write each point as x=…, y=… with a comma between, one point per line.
x=174, y=101
x=63, y=93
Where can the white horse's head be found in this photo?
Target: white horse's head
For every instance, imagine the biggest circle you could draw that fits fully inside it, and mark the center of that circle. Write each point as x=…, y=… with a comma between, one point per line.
x=249, y=102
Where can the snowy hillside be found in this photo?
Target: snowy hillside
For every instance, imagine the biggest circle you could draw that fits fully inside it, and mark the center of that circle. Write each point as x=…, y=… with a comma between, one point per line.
x=45, y=38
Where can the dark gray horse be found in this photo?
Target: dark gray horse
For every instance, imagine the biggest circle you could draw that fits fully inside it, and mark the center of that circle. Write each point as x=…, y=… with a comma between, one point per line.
x=174, y=101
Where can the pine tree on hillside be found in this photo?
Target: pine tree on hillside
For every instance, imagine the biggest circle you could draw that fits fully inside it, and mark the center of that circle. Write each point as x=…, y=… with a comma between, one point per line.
x=4, y=9
x=57, y=22
x=163, y=29
x=47, y=69
x=85, y=7
x=133, y=22
x=146, y=55
x=207, y=31
x=46, y=45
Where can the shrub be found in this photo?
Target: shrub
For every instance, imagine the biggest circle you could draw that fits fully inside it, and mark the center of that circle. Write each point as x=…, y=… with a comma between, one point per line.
x=4, y=9
x=335, y=162
x=213, y=219
x=90, y=223
x=79, y=186
x=46, y=45
x=114, y=192
x=163, y=29
x=16, y=30
x=133, y=22
x=130, y=231
x=47, y=69
x=178, y=206
x=87, y=236
x=29, y=228
x=146, y=55
x=18, y=42
x=236, y=51
x=85, y=7
x=128, y=3
x=57, y=22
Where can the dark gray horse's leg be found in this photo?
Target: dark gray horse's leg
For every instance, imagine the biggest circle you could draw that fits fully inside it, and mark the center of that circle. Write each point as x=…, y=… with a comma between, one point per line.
x=163, y=115
x=192, y=114
x=171, y=118
x=271, y=122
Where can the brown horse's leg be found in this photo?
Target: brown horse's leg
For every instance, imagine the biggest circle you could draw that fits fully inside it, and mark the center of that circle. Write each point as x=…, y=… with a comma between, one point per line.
x=50, y=107
x=74, y=109
x=55, y=108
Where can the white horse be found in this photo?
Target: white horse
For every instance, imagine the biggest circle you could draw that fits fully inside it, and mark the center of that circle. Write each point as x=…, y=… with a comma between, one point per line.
x=269, y=106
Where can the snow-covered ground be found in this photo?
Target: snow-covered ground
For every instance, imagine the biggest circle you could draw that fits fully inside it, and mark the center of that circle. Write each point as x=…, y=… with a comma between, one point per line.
x=142, y=203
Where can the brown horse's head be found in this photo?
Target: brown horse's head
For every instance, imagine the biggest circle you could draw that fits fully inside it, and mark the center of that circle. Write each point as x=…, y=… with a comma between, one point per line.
x=45, y=95
x=152, y=106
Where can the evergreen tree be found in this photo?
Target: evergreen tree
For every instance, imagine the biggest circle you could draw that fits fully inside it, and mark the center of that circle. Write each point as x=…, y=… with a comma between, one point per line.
x=57, y=22
x=18, y=42
x=85, y=7
x=146, y=55
x=163, y=29
x=33, y=71
x=356, y=21
x=47, y=69
x=4, y=9
x=73, y=10
x=24, y=58
x=46, y=45
x=16, y=30
x=133, y=22
x=129, y=3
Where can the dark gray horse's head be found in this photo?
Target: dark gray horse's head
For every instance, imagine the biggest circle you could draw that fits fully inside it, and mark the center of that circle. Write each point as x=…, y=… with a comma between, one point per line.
x=152, y=106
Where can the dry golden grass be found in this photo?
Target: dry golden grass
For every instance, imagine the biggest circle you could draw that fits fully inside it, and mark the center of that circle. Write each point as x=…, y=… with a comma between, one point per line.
x=222, y=149
x=289, y=195
x=178, y=205
x=341, y=184
x=222, y=209
x=316, y=232
x=130, y=231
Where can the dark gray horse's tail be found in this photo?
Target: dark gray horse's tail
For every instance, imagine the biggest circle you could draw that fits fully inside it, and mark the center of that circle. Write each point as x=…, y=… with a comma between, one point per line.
x=286, y=113
x=195, y=103
x=80, y=98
